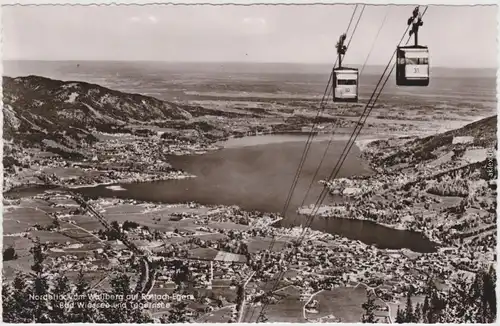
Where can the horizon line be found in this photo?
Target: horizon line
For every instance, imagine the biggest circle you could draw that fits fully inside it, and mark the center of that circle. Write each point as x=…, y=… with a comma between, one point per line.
x=233, y=62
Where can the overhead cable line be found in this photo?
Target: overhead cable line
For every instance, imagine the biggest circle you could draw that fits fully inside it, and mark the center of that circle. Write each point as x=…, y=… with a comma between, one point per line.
x=375, y=40
x=341, y=160
x=331, y=138
x=337, y=124
x=369, y=106
x=311, y=133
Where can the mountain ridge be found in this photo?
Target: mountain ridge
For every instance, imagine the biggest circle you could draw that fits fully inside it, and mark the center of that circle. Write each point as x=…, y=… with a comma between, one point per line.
x=40, y=109
x=405, y=152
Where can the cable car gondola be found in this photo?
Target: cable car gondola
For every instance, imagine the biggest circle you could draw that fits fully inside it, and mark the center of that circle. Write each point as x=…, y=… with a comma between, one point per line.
x=412, y=68
x=345, y=80
x=412, y=65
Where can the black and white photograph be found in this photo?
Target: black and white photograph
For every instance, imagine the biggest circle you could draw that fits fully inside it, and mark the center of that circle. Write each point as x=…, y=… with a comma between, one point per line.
x=264, y=163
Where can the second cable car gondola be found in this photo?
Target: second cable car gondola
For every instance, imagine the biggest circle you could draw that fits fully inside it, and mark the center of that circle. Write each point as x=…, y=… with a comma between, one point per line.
x=412, y=67
x=345, y=83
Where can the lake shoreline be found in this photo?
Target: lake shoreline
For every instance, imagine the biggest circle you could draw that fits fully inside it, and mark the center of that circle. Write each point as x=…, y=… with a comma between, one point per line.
x=110, y=190
x=216, y=192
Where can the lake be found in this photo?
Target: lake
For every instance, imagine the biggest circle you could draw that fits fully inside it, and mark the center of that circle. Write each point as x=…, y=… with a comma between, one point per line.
x=256, y=173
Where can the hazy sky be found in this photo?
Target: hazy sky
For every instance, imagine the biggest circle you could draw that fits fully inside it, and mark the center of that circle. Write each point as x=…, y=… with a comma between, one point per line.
x=456, y=36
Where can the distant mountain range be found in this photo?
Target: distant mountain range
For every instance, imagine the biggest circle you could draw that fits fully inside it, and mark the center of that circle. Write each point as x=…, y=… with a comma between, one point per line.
x=16, y=68
x=61, y=116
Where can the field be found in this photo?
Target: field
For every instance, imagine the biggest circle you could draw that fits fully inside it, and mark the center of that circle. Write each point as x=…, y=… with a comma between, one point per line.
x=259, y=243
x=217, y=315
x=287, y=310
x=344, y=303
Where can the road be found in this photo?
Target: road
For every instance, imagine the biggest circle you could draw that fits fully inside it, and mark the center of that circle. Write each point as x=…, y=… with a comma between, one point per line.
x=369, y=288
x=147, y=275
x=244, y=296
x=151, y=280
x=73, y=225
x=100, y=282
x=146, y=270
x=305, y=304
x=208, y=313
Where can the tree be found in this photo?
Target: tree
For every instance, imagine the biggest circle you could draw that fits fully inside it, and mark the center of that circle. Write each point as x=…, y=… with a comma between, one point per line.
x=40, y=284
x=473, y=300
x=178, y=313
x=8, y=304
x=24, y=301
x=469, y=300
x=16, y=302
x=425, y=309
x=409, y=318
x=240, y=297
x=158, y=235
x=7, y=301
x=59, y=302
x=369, y=307
x=123, y=305
x=489, y=295
x=56, y=224
x=417, y=314
x=118, y=305
x=437, y=305
x=182, y=273
x=460, y=302
x=9, y=254
x=81, y=311
x=400, y=316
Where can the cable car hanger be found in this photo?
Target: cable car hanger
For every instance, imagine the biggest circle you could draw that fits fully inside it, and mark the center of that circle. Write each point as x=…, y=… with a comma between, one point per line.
x=416, y=21
x=341, y=48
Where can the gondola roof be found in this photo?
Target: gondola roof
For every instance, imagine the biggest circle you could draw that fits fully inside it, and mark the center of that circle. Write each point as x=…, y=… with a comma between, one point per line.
x=345, y=68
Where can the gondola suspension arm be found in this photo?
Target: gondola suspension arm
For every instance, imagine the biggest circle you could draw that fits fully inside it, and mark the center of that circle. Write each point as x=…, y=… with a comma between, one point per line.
x=341, y=48
x=416, y=21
